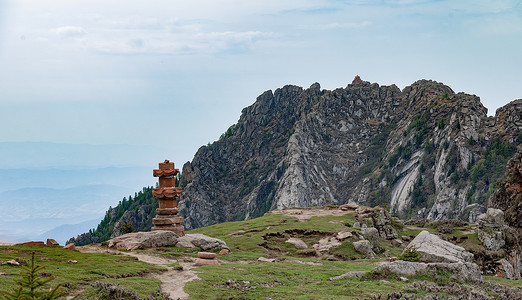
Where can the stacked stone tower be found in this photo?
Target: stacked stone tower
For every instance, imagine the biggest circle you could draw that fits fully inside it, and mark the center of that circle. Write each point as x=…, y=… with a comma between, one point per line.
x=167, y=217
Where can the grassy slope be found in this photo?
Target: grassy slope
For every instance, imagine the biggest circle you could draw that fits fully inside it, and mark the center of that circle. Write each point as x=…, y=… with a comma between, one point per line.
x=90, y=267
x=295, y=274
x=289, y=279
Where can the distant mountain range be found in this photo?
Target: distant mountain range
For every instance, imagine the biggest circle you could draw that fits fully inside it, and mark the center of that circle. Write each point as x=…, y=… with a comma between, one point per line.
x=38, y=155
x=45, y=185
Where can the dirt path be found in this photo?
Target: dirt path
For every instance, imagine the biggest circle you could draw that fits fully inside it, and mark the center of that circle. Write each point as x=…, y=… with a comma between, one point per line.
x=172, y=281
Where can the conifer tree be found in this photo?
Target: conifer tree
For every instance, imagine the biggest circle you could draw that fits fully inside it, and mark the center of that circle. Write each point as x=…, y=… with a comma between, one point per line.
x=31, y=285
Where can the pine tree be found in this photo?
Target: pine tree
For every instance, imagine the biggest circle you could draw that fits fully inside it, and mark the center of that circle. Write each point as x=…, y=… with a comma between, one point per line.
x=31, y=285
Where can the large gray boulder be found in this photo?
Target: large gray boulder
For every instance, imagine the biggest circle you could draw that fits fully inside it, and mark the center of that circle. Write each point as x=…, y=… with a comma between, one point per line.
x=462, y=270
x=364, y=247
x=202, y=241
x=142, y=240
x=372, y=235
x=402, y=267
x=298, y=243
x=435, y=250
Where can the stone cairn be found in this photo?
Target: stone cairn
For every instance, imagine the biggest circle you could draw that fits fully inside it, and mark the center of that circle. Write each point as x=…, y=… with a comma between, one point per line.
x=167, y=217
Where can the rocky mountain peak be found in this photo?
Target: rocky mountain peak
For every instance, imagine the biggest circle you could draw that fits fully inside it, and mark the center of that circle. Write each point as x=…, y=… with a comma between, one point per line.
x=425, y=151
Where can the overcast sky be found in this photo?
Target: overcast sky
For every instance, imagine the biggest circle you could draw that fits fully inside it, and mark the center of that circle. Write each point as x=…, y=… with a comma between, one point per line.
x=176, y=74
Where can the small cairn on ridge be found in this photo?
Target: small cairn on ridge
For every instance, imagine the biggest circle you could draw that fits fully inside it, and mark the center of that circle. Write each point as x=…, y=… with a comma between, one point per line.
x=167, y=217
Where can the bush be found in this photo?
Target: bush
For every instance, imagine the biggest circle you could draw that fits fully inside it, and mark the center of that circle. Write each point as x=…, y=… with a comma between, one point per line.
x=410, y=254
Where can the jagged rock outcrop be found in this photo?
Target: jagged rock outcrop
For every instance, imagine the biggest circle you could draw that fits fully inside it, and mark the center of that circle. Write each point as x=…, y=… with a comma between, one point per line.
x=426, y=151
x=382, y=222
x=500, y=228
x=491, y=229
x=508, y=196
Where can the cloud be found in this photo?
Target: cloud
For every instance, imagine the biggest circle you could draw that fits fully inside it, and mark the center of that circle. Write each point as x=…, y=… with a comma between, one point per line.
x=338, y=25
x=181, y=42
x=70, y=31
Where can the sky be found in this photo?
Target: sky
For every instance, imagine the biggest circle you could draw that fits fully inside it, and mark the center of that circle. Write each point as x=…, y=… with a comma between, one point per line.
x=173, y=75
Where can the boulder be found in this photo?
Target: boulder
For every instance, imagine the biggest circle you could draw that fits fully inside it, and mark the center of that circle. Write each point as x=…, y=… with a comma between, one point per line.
x=51, y=242
x=12, y=263
x=462, y=270
x=142, y=240
x=364, y=247
x=326, y=243
x=206, y=262
x=490, y=230
x=69, y=246
x=402, y=267
x=298, y=243
x=343, y=235
x=264, y=259
x=202, y=241
x=207, y=255
x=348, y=207
x=510, y=267
x=434, y=249
x=396, y=243
x=349, y=275
x=371, y=234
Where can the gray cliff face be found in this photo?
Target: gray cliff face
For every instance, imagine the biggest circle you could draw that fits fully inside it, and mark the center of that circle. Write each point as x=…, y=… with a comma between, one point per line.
x=425, y=151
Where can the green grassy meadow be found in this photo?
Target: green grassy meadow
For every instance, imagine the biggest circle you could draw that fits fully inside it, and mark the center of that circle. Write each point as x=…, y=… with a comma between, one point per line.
x=294, y=274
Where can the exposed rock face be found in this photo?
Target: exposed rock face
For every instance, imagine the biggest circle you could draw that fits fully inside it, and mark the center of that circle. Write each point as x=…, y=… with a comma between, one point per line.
x=435, y=250
x=490, y=231
x=500, y=229
x=508, y=196
x=425, y=150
